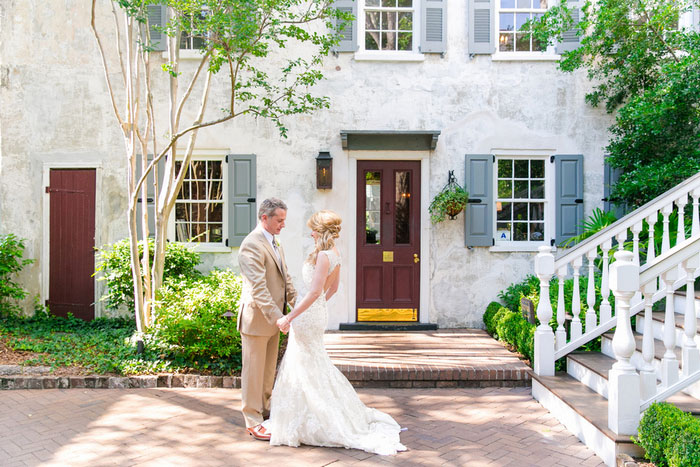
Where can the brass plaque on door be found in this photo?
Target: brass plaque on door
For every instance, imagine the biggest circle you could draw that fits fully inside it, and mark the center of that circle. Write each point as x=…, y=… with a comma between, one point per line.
x=387, y=314
x=388, y=256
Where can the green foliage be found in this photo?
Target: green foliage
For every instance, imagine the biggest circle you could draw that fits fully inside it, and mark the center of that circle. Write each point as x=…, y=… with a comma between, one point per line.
x=488, y=317
x=11, y=263
x=511, y=327
x=597, y=221
x=449, y=202
x=114, y=261
x=513, y=293
x=648, y=70
x=190, y=328
x=669, y=436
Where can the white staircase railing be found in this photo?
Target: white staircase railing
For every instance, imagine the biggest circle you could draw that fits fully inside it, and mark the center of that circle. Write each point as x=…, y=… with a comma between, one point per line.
x=551, y=346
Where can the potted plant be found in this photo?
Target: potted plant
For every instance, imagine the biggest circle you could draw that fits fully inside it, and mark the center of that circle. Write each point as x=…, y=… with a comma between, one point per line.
x=449, y=202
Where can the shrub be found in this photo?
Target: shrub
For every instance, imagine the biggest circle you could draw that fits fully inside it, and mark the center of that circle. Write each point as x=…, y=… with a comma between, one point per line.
x=669, y=436
x=190, y=327
x=489, y=315
x=512, y=295
x=11, y=263
x=115, y=262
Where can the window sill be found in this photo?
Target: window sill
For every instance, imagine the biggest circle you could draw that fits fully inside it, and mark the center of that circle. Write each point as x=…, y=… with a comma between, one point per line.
x=380, y=56
x=185, y=54
x=524, y=57
x=209, y=247
x=528, y=248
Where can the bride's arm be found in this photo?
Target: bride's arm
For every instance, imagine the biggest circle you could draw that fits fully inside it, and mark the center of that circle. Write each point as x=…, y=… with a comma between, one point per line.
x=322, y=265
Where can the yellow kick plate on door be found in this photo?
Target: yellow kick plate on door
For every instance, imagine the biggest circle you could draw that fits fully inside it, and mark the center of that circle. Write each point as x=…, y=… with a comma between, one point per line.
x=387, y=314
x=388, y=256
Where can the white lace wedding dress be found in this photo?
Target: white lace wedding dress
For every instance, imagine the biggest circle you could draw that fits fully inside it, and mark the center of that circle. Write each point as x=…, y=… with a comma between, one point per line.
x=312, y=402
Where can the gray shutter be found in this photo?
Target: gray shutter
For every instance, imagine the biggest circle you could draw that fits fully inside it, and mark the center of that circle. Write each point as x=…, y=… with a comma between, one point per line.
x=150, y=194
x=610, y=177
x=569, y=39
x=348, y=41
x=481, y=27
x=479, y=212
x=157, y=17
x=569, y=196
x=433, y=26
x=242, y=182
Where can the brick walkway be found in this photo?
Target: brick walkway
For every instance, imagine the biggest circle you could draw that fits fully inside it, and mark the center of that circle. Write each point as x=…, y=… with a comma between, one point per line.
x=193, y=427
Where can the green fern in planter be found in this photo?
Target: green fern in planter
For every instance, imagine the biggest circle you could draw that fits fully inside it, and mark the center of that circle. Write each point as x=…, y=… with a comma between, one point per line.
x=449, y=202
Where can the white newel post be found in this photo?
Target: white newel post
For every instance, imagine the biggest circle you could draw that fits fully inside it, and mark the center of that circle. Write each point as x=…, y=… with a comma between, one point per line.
x=544, y=337
x=623, y=381
x=669, y=363
x=690, y=355
x=576, y=328
x=560, y=338
x=605, y=308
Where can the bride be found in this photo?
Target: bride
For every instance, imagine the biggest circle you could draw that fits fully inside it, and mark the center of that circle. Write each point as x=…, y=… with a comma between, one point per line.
x=312, y=402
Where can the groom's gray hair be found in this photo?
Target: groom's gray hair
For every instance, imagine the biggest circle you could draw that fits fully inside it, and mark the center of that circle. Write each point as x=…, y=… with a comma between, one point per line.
x=269, y=206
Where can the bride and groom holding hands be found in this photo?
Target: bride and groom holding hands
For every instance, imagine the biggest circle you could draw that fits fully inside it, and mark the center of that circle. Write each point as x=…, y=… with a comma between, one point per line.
x=310, y=402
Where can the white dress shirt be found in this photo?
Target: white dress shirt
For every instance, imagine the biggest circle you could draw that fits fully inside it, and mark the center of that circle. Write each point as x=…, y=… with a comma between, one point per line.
x=271, y=239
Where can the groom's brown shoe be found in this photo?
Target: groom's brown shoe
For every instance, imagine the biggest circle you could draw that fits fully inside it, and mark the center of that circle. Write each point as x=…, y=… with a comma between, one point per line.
x=259, y=432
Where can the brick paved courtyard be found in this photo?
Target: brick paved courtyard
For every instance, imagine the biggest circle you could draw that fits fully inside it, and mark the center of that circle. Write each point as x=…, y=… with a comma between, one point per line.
x=157, y=427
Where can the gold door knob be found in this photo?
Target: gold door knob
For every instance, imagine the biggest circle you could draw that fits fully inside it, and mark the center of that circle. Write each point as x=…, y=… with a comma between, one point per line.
x=416, y=259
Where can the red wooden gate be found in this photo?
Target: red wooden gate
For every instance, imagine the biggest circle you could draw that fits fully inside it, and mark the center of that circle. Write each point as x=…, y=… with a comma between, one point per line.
x=72, y=242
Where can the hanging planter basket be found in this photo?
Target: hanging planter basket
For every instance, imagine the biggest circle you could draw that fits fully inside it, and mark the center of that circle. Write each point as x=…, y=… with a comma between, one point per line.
x=449, y=202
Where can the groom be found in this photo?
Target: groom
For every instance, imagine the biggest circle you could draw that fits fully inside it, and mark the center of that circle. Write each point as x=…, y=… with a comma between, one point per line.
x=267, y=288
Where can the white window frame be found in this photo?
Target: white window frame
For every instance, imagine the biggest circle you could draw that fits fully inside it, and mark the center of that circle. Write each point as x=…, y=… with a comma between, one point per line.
x=549, y=201
x=208, y=247
x=392, y=55
x=547, y=55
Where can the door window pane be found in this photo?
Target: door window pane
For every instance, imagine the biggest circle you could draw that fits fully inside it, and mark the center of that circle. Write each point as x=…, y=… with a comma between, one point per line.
x=373, y=188
x=402, y=221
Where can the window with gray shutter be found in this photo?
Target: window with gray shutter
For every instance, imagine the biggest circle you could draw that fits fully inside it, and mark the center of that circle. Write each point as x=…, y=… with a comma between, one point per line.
x=569, y=196
x=433, y=32
x=348, y=41
x=610, y=177
x=481, y=27
x=150, y=194
x=157, y=18
x=570, y=39
x=242, y=215
x=479, y=211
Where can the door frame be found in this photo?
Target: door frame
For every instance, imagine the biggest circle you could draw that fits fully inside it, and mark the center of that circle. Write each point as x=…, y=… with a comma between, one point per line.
x=45, y=221
x=384, y=155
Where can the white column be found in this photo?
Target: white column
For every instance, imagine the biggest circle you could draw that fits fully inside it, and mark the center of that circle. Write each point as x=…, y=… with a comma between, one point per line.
x=681, y=202
x=636, y=228
x=648, y=373
x=624, y=396
x=666, y=240
x=669, y=363
x=560, y=337
x=690, y=355
x=544, y=337
x=576, y=327
x=605, y=308
x=591, y=317
x=696, y=202
x=651, y=246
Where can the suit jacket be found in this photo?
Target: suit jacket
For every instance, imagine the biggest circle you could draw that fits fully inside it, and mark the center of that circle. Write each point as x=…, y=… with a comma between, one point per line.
x=267, y=286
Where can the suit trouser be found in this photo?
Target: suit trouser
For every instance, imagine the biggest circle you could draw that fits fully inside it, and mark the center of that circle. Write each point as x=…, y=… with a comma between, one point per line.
x=257, y=375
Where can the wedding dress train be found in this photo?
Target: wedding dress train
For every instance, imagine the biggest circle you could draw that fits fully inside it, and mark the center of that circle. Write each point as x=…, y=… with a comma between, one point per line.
x=312, y=402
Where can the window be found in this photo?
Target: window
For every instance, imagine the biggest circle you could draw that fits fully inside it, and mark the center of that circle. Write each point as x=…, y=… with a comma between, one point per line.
x=389, y=25
x=520, y=200
x=200, y=204
x=196, y=39
x=512, y=16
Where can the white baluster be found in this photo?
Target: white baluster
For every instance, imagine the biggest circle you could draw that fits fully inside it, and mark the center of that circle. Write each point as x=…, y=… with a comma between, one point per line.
x=648, y=373
x=666, y=240
x=576, y=328
x=690, y=355
x=605, y=308
x=651, y=247
x=669, y=363
x=544, y=337
x=696, y=202
x=681, y=202
x=623, y=380
x=636, y=228
x=561, y=310
x=591, y=318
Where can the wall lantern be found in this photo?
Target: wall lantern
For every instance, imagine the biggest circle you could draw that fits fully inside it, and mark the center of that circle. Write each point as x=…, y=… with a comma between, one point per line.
x=324, y=171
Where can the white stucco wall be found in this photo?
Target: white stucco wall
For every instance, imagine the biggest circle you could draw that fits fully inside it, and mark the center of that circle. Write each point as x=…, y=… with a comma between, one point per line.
x=55, y=109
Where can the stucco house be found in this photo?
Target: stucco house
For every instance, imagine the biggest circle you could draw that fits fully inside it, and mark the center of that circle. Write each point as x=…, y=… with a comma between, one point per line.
x=452, y=87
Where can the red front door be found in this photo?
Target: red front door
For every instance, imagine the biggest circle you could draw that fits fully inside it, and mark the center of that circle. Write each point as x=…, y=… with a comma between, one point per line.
x=72, y=242
x=388, y=240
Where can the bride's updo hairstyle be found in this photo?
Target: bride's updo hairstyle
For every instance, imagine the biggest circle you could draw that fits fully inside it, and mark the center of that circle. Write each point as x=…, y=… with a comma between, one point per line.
x=327, y=225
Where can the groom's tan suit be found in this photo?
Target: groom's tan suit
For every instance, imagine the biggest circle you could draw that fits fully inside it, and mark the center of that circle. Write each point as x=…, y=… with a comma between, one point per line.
x=267, y=288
